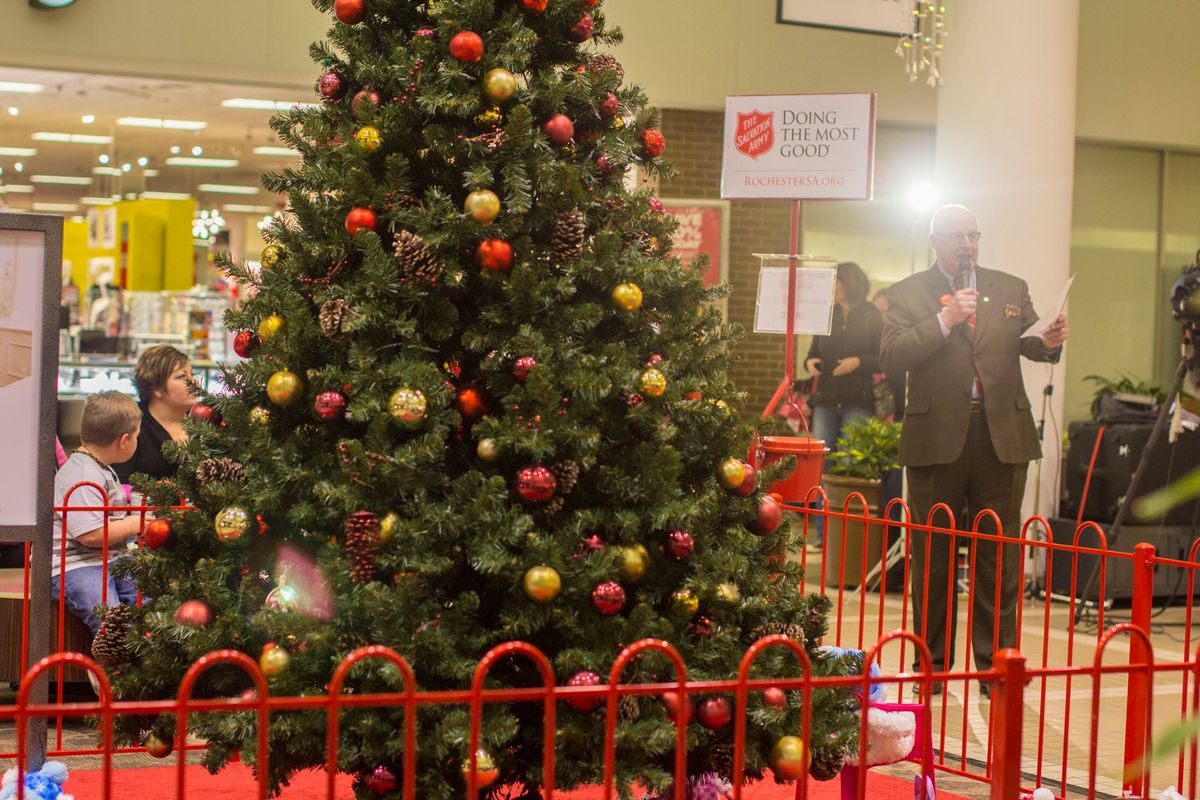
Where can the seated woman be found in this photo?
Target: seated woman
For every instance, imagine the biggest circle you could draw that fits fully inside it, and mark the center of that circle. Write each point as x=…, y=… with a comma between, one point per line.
x=163, y=378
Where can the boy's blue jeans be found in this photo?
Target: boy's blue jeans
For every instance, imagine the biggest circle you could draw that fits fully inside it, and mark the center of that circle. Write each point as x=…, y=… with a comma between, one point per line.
x=84, y=585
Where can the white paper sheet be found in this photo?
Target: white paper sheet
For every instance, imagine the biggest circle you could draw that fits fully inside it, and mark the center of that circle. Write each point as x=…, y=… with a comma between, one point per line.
x=1047, y=319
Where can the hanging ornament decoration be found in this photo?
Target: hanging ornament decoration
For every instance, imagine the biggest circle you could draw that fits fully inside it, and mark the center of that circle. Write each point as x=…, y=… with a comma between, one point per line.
x=408, y=407
x=193, y=614
x=677, y=545
x=331, y=316
x=492, y=116
x=608, y=598
x=730, y=473
x=158, y=534
x=702, y=627
x=219, y=468
x=418, y=261
x=381, y=781
x=714, y=713
x=789, y=758
x=652, y=382
x=653, y=142
x=272, y=325
x=271, y=255
x=673, y=704
x=282, y=598
x=467, y=47
x=274, y=660
x=362, y=545
x=604, y=164
x=591, y=543
x=157, y=746
x=922, y=49
x=686, y=601
x=365, y=104
x=609, y=105
x=775, y=697
x=728, y=592
x=330, y=405
x=203, y=412
x=627, y=296
x=533, y=7
x=541, y=584
x=486, y=771
x=260, y=415
x=559, y=129
x=634, y=562
x=535, y=485
x=284, y=388
x=581, y=31
x=567, y=242
x=350, y=12
x=369, y=138
x=483, y=205
x=522, y=367
x=388, y=526
x=495, y=255
x=231, y=522
x=769, y=516
x=606, y=62
x=245, y=343
x=582, y=704
x=488, y=450
x=330, y=85
x=472, y=403
x=749, y=482
x=657, y=206
x=360, y=218
x=499, y=85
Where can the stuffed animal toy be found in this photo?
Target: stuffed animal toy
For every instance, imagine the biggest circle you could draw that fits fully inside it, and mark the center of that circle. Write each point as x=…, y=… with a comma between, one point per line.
x=45, y=784
x=891, y=736
x=878, y=691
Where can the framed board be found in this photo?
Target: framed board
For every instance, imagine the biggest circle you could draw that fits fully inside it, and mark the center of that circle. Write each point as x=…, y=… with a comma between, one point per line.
x=880, y=17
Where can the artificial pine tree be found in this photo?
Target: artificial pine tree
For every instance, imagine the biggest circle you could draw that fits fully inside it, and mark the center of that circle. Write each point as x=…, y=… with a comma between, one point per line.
x=482, y=403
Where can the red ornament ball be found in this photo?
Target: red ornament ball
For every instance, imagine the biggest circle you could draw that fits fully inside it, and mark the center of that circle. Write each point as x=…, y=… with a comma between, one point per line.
x=657, y=206
x=769, y=517
x=581, y=31
x=359, y=219
x=559, y=129
x=471, y=402
x=534, y=7
x=654, y=142
x=205, y=413
x=585, y=678
x=156, y=746
x=714, y=713
x=494, y=254
x=330, y=405
x=678, y=545
x=609, y=105
x=467, y=46
x=749, y=481
x=330, y=85
x=364, y=104
x=654, y=360
x=350, y=12
x=775, y=697
x=672, y=703
x=590, y=3
x=522, y=367
x=608, y=598
x=193, y=614
x=604, y=164
x=703, y=627
x=159, y=533
x=245, y=343
x=381, y=781
x=535, y=485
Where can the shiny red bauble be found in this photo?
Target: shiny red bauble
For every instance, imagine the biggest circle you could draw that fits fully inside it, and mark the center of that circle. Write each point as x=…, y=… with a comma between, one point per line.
x=609, y=105
x=381, y=781
x=330, y=85
x=360, y=218
x=467, y=46
x=205, y=413
x=559, y=129
x=535, y=484
x=471, y=402
x=654, y=360
x=158, y=533
x=245, y=343
x=672, y=703
x=350, y=12
x=155, y=746
x=365, y=104
x=494, y=254
x=769, y=517
x=657, y=206
x=581, y=31
x=534, y=7
x=522, y=367
x=194, y=614
x=714, y=713
x=693, y=395
x=677, y=545
x=608, y=598
x=703, y=627
x=775, y=698
x=604, y=164
x=654, y=142
x=585, y=678
x=749, y=481
x=330, y=405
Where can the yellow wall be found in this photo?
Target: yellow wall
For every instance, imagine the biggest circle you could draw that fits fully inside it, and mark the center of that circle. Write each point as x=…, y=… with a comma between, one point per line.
x=160, y=248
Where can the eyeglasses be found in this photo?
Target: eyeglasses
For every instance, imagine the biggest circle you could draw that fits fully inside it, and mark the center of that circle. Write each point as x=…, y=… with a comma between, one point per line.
x=960, y=237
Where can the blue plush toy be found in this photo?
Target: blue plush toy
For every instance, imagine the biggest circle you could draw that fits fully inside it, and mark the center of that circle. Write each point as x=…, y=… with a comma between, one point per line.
x=878, y=690
x=45, y=784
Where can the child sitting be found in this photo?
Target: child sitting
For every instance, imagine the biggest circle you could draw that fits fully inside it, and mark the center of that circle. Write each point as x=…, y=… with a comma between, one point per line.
x=109, y=431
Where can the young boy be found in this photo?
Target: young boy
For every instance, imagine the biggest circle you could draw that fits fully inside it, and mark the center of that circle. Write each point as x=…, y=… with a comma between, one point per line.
x=109, y=431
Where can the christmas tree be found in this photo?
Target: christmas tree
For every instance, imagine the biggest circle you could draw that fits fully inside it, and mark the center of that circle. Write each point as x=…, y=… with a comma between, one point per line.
x=481, y=403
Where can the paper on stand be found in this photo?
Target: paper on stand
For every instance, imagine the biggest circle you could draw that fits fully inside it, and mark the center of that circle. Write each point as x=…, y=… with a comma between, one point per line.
x=814, y=300
x=1047, y=319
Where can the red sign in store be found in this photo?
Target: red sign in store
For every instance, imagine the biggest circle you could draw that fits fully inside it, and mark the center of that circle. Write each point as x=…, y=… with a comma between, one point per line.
x=701, y=231
x=755, y=133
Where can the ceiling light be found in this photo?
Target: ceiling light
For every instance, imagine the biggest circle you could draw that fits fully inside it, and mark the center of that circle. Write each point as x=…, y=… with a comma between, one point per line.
x=50, y=3
x=55, y=206
x=126, y=167
x=88, y=119
x=114, y=171
x=73, y=138
x=239, y=208
x=20, y=88
x=223, y=188
x=104, y=158
x=264, y=105
x=186, y=161
x=166, y=196
x=95, y=201
x=17, y=188
x=169, y=124
x=13, y=110
x=174, y=149
x=197, y=150
x=276, y=151
x=143, y=161
x=63, y=180
x=150, y=173
x=19, y=167
x=18, y=152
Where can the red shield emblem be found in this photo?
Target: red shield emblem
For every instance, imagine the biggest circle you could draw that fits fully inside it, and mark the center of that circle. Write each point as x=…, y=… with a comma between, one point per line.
x=755, y=133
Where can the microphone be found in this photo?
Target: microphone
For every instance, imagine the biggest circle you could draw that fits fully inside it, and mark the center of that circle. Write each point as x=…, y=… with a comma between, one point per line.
x=964, y=264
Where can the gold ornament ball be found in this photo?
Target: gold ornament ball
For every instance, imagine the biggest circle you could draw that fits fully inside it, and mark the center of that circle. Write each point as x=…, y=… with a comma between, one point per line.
x=271, y=255
x=483, y=205
x=369, y=138
x=231, y=522
x=486, y=772
x=274, y=661
x=634, y=562
x=260, y=415
x=284, y=388
x=618, y=123
x=408, y=407
x=271, y=326
x=542, y=584
x=499, y=85
x=387, y=526
x=652, y=383
x=492, y=116
x=790, y=758
x=686, y=600
x=731, y=473
x=488, y=450
x=627, y=296
x=157, y=746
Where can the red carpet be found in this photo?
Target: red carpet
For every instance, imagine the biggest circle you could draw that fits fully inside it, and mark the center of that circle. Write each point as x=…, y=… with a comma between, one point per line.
x=237, y=783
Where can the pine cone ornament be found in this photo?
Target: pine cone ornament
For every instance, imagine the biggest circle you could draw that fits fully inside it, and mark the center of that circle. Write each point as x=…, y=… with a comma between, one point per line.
x=720, y=759
x=567, y=242
x=827, y=763
x=108, y=648
x=331, y=316
x=628, y=708
x=219, y=469
x=567, y=474
x=768, y=629
x=602, y=62
x=418, y=261
x=362, y=545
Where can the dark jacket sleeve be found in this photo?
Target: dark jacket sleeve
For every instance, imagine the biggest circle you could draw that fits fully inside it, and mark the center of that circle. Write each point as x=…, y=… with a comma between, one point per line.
x=907, y=340
x=869, y=357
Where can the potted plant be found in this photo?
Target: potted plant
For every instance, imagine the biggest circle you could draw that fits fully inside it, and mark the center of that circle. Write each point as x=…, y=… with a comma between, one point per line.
x=867, y=450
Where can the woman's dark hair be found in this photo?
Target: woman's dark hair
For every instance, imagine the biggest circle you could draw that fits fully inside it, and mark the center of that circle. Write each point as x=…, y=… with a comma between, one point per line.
x=154, y=369
x=854, y=282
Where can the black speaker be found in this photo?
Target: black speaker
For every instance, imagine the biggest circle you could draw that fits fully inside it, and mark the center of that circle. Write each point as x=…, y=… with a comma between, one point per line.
x=1121, y=447
x=1170, y=541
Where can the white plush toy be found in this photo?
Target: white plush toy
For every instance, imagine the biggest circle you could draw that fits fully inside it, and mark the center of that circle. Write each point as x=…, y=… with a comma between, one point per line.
x=890, y=736
x=1171, y=793
x=45, y=784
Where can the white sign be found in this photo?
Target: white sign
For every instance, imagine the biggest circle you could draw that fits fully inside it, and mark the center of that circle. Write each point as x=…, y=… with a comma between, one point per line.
x=814, y=300
x=888, y=17
x=800, y=146
x=22, y=260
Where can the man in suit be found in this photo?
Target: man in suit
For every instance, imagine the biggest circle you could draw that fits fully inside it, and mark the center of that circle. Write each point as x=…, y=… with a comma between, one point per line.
x=968, y=433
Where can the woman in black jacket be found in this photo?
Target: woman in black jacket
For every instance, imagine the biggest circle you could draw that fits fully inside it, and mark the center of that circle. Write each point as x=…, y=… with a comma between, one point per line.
x=163, y=377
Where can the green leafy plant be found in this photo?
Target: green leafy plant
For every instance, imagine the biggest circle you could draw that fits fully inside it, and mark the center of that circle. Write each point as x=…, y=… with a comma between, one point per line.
x=1125, y=385
x=867, y=448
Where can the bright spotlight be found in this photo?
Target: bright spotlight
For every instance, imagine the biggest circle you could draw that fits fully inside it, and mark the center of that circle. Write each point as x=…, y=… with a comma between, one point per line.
x=923, y=196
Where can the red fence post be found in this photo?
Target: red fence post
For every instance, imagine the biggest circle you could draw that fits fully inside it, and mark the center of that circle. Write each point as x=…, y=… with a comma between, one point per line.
x=1008, y=706
x=1137, y=706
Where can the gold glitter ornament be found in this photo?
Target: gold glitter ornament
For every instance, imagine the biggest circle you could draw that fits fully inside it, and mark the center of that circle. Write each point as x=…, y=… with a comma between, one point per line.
x=231, y=522
x=634, y=562
x=271, y=255
x=274, y=660
x=369, y=138
x=499, y=85
x=542, y=584
x=483, y=205
x=284, y=387
x=618, y=123
x=490, y=117
x=271, y=326
x=488, y=450
x=260, y=415
x=408, y=407
x=685, y=600
x=652, y=383
x=387, y=526
x=627, y=296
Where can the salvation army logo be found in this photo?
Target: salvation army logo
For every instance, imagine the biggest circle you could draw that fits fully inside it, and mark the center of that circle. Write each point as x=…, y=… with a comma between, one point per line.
x=755, y=133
